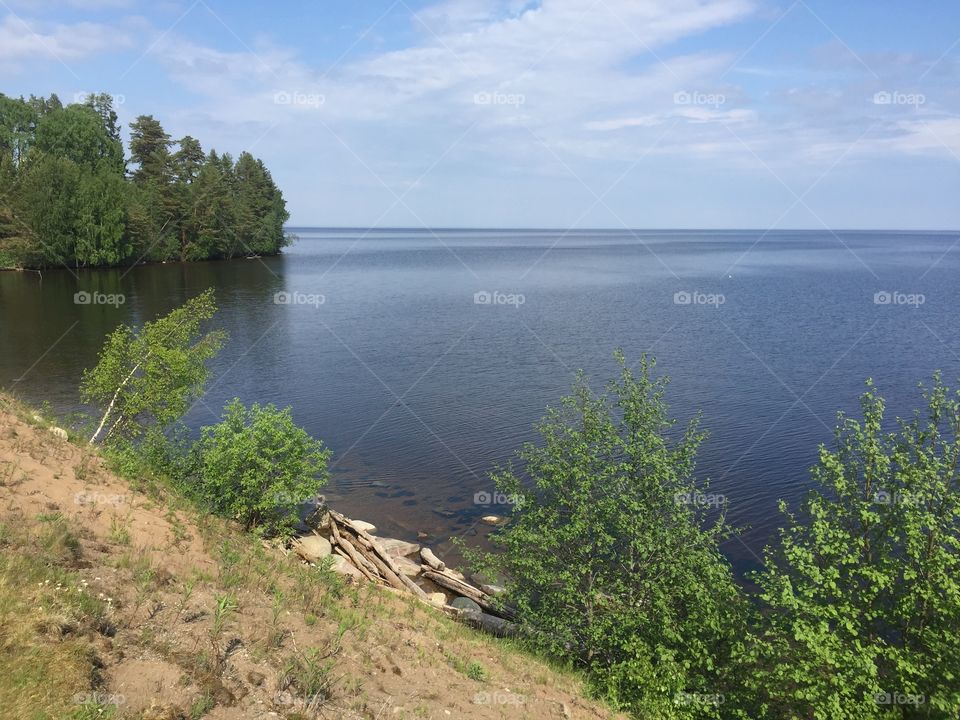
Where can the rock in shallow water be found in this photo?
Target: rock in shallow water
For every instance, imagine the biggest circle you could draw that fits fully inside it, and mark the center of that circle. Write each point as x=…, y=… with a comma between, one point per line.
x=365, y=526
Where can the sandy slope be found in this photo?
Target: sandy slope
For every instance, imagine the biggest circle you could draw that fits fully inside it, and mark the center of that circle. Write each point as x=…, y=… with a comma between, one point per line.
x=161, y=571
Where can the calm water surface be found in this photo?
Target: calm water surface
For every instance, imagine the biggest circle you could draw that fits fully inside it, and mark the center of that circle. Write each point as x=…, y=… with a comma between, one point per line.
x=420, y=391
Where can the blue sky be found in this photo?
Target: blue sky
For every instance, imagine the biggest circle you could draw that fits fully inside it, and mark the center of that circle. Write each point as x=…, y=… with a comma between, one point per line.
x=557, y=113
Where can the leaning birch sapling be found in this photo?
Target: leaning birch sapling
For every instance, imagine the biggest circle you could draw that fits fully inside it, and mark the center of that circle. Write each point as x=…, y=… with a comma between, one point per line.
x=147, y=377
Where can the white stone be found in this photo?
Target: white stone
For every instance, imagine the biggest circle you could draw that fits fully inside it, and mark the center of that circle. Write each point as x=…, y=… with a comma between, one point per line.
x=312, y=548
x=345, y=567
x=398, y=548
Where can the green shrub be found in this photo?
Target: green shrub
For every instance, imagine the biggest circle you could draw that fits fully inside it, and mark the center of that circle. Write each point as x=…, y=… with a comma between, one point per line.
x=606, y=558
x=258, y=467
x=860, y=613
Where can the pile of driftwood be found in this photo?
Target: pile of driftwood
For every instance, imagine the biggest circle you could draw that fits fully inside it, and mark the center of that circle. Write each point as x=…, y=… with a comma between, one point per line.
x=367, y=554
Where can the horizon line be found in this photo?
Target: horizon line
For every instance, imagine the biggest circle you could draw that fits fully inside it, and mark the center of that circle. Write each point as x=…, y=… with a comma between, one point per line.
x=461, y=228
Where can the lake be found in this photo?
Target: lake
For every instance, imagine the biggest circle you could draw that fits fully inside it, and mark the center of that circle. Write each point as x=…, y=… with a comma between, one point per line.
x=423, y=357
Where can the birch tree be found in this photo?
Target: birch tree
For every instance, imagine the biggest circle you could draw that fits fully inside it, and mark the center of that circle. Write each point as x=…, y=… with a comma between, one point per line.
x=148, y=377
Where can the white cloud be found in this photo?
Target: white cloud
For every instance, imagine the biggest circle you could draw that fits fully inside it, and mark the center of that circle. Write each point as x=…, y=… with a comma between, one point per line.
x=924, y=136
x=935, y=135
x=22, y=39
x=559, y=65
x=567, y=88
x=621, y=123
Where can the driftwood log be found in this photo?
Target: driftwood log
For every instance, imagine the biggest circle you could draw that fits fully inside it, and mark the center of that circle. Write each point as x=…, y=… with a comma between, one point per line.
x=350, y=540
x=460, y=587
x=356, y=541
x=490, y=623
x=426, y=554
x=351, y=553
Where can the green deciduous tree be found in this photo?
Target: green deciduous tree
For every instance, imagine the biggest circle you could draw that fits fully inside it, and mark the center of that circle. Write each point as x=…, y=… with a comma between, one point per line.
x=606, y=557
x=258, y=467
x=860, y=601
x=69, y=190
x=77, y=132
x=147, y=377
x=46, y=201
x=17, y=124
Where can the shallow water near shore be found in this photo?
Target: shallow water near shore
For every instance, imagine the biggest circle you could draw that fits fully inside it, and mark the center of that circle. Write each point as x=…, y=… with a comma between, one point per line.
x=423, y=358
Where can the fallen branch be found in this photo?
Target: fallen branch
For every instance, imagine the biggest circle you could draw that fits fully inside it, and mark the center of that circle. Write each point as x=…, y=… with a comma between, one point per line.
x=426, y=554
x=352, y=555
x=490, y=623
x=460, y=587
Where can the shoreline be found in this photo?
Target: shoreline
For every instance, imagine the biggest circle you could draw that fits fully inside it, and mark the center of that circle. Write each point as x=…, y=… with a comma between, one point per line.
x=73, y=270
x=351, y=548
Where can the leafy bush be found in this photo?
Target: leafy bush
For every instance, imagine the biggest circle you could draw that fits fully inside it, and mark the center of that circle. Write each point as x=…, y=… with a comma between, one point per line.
x=606, y=559
x=860, y=613
x=257, y=466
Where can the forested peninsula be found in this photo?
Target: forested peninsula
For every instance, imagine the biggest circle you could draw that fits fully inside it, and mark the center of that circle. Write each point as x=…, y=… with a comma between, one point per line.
x=70, y=196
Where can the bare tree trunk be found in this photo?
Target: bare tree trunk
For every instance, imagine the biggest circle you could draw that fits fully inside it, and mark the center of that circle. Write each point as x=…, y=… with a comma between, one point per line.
x=113, y=401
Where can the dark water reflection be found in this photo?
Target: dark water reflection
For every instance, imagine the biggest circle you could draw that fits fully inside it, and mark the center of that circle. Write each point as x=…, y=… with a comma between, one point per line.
x=420, y=391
